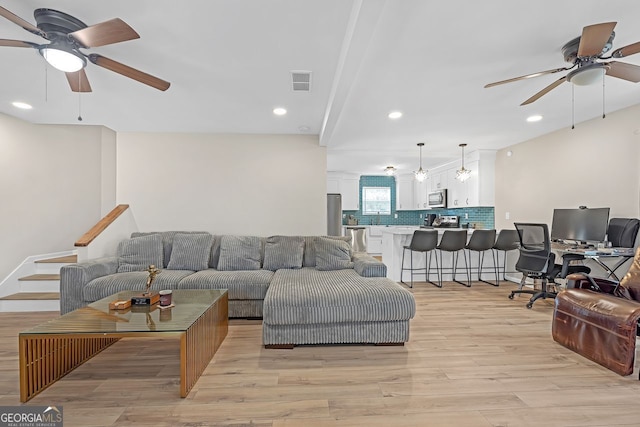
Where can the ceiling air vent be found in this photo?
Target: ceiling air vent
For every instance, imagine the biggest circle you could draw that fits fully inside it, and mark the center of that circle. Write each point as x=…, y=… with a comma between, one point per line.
x=301, y=81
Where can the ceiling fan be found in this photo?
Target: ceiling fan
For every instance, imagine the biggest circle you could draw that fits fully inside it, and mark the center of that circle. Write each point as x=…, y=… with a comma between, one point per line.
x=67, y=35
x=587, y=54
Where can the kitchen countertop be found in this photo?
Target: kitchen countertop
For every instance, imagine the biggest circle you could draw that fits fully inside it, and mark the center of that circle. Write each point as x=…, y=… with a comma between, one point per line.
x=411, y=229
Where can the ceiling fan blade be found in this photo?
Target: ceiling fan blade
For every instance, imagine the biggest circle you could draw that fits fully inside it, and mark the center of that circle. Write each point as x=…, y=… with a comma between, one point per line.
x=624, y=71
x=17, y=43
x=127, y=71
x=104, y=33
x=528, y=76
x=21, y=22
x=627, y=50
x=545, y=90
x=594, y=37
x=78, y=81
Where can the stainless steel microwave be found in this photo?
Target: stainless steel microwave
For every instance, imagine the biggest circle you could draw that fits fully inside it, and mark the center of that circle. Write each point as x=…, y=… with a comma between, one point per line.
x=437, y=199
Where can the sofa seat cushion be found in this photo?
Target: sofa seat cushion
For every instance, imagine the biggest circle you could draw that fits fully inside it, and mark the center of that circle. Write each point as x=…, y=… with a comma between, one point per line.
x=247, y=284
x=309, y=296
x=104, y=286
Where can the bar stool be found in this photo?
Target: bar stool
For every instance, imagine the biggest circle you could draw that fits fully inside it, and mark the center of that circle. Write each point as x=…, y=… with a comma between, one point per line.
x=422, y=241
x=453, y=241
x=482, y=241
x=508, y=240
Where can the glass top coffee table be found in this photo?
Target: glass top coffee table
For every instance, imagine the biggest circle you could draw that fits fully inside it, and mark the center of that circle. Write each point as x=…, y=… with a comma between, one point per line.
x=53, y=349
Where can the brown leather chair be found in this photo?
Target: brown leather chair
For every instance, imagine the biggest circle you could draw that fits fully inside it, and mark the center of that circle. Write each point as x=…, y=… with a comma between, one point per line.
x=598, y=318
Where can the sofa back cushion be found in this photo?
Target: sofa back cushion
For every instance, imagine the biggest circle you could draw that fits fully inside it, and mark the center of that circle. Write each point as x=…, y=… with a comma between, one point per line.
x=310, y=248
x=190, y=251
x=332, y=254
x=136, y=254
x=167, y=241
x=283, y=252
x=239, y=253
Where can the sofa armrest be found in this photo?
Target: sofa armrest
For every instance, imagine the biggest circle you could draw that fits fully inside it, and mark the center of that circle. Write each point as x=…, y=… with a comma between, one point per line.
x=367, y=266
x=597, y=284
x=74, y=277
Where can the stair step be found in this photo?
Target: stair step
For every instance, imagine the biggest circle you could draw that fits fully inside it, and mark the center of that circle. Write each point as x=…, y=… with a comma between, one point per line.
x=69, y=259
x=33, y=296
x=41, y=277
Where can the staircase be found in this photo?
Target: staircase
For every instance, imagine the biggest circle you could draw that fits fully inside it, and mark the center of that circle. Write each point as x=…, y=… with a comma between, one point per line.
x=40, y=290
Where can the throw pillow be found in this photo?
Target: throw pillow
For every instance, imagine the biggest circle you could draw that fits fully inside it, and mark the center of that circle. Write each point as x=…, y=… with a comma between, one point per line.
x=332, y=254
x=190, y=252
x=283, y=252
x=138, y=253
x=239, y=253
x=310, y=248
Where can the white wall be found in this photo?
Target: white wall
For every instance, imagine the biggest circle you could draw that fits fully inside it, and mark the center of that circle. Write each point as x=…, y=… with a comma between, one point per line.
x=108, y=166
x=50, y=187
x=596, y=164
x=226, y=184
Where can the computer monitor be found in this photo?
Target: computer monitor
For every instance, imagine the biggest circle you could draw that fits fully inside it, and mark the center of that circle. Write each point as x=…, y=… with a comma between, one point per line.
x=582, y=225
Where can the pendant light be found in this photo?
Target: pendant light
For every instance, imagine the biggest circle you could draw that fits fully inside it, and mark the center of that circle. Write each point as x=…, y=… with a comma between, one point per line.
x=421, y=174
x=463, y=174
x=390, y=170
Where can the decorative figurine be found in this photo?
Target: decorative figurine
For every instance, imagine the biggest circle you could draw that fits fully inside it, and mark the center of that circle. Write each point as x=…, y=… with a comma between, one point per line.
x=153, y=272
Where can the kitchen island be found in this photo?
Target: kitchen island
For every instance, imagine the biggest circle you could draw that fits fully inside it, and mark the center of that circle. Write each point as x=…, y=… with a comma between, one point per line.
x=395, y=238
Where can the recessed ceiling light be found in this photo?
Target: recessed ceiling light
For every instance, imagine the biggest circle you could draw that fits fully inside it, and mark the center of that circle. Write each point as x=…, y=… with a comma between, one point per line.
x=22, y=105
x=279, y=111
x=534, y=118
x=395, y=114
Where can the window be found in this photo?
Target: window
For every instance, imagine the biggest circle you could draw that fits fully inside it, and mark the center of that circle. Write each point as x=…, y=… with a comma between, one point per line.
x=376, y=200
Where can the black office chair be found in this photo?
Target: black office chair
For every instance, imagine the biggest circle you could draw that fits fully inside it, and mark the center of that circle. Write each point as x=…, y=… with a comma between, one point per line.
x=538, y=262
x=422, y=241
x=507, y=241
x=481, y=241
x=453, y=241
x=622, y=233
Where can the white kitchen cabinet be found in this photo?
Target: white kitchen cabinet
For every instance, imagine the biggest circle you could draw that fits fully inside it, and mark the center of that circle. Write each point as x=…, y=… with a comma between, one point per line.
x=479, y=188
x=350, y=190
x=374, y=239
x=438, y=181
x=420, y=191
x=404, y=193
x=348, y=185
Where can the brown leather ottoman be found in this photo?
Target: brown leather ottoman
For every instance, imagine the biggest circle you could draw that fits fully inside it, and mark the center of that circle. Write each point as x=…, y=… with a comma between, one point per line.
x=598, y=326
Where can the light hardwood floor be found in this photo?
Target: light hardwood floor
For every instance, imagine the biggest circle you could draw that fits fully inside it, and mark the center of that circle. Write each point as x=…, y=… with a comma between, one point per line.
x=475, y=358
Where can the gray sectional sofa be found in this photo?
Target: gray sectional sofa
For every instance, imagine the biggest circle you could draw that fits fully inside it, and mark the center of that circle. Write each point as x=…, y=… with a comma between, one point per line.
x=308, y=290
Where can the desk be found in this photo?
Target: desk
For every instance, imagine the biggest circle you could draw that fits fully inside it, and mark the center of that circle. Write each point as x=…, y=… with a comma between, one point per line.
x=597, y=255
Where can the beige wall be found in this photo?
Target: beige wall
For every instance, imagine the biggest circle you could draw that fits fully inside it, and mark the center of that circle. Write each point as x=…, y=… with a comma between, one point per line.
x=227, y=184
x=50, y=182
x=596, y=164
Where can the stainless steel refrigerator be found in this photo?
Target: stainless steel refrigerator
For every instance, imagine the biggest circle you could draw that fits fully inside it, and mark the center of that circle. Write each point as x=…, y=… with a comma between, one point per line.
x=334, y=214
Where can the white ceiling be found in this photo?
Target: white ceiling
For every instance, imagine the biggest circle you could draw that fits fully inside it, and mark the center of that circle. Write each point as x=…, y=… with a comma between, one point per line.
x=229, y=61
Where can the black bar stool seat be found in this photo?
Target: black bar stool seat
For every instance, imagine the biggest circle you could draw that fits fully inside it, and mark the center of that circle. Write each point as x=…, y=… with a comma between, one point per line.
x=452, y=241
x=423, y=241
x=482, y=241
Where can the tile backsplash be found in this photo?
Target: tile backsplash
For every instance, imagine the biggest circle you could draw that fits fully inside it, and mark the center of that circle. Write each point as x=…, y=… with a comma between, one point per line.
x=481, y=217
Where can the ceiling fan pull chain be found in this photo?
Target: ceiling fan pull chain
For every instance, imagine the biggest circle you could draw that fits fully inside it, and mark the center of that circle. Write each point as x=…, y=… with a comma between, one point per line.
x=603, y=115
x=46, y=83
x=573, y=107
x=79, y=98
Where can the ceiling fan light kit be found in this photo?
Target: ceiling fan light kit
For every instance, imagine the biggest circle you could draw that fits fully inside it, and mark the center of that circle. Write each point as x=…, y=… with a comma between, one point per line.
x=586, y=54
x=63, y=59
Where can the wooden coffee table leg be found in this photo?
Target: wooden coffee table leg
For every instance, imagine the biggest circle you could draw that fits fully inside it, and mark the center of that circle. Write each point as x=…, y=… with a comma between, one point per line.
x=44, y=359
x=200, y=342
